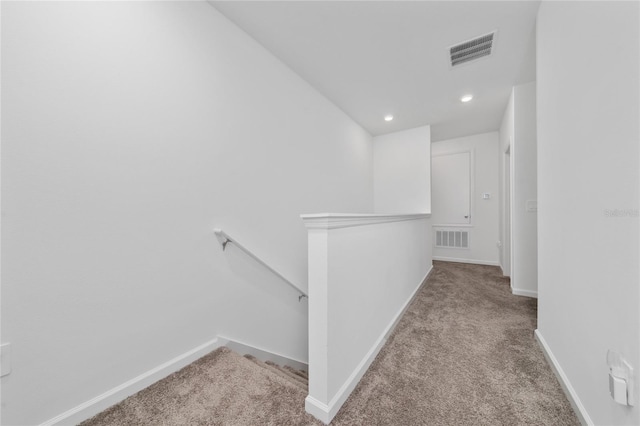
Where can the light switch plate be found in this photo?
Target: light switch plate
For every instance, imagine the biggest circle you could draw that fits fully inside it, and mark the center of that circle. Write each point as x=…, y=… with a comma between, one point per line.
x=618, y=389
x=5, y=359
x=621, y=379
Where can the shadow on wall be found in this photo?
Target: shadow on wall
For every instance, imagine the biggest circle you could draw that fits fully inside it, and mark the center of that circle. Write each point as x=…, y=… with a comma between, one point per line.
x=261, y=309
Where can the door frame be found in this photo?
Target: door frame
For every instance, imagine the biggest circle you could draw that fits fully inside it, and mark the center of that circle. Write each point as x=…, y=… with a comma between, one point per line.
x=507, y=207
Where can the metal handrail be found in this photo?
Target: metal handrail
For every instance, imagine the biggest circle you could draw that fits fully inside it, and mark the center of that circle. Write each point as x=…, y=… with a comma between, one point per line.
x=225, y=239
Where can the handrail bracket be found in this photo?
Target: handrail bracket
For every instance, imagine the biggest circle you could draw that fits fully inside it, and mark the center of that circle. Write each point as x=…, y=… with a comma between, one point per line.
x=224, y=239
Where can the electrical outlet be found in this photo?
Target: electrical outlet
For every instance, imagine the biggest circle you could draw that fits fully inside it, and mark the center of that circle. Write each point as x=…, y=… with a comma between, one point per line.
x=5, y=359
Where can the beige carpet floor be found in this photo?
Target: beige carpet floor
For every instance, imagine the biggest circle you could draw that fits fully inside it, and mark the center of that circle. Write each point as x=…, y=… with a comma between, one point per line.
x=463, y=354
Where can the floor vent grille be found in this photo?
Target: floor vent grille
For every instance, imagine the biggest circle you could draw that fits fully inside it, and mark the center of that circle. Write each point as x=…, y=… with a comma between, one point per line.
x=452, y=238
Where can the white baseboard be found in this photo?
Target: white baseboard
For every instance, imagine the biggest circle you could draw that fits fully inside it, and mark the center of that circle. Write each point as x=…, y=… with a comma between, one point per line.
x=101, y=402
x=472, y=261
x=527, y=293
x=318, y=410
x=502, y=270
x=571, y=394
x=264, y=355
x=326, y=412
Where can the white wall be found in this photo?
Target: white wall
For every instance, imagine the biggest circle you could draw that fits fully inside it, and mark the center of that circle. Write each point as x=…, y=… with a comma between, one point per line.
x=362, y=273
x=402, y=171
x=588, y=189
x=524, y=269
x=483, y=229
x=130, y=131
x=504, y=157
x=518, y=133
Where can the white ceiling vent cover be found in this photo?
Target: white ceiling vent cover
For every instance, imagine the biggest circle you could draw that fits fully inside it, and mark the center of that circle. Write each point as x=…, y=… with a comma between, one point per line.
x=472, y=49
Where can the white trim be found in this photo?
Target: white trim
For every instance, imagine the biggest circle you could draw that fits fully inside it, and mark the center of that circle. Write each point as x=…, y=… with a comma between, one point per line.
x=347, y=220
x=503, y=274
x=473, y=261
x=111, y=397
x=317, y=409
x=326, y=412
x=452, y=225
x=264, y=355
x=569, y=391
x=521, y=292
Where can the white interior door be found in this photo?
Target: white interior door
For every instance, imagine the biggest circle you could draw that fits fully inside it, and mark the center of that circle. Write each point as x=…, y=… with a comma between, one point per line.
x=451, y=189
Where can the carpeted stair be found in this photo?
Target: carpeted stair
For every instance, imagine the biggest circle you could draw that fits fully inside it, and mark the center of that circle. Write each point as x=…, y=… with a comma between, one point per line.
x=300, y=378
x=222, y=388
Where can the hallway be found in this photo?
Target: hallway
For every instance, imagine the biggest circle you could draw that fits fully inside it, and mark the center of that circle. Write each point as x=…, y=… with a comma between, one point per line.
x=463, y=354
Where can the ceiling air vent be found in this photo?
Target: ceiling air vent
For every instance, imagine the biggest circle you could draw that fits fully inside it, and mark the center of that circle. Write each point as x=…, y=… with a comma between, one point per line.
x=472, y=49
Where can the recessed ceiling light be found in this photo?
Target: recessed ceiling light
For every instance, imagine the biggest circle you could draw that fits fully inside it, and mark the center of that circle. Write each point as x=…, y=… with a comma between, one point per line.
x=466, y=98
x=388, y=117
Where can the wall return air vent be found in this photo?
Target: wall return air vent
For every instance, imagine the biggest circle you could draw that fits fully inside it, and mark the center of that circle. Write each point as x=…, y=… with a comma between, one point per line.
x=472, y=49
x=452, y=238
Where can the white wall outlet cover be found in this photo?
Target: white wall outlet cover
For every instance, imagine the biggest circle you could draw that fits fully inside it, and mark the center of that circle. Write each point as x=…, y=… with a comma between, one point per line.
x=5, y=359
x=486, y=196
x=621, y=379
